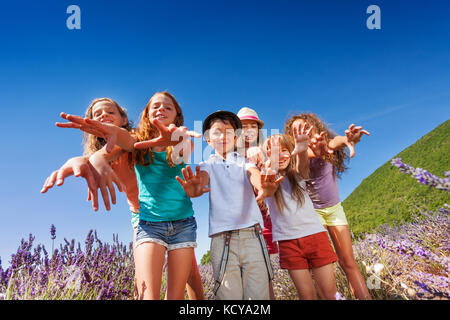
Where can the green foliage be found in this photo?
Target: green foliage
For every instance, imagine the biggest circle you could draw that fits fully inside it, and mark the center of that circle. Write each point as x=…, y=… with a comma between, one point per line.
x=206, y=257
x=388, y=196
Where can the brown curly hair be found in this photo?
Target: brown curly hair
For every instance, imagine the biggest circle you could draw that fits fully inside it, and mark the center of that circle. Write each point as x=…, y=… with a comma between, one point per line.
x=339, y=157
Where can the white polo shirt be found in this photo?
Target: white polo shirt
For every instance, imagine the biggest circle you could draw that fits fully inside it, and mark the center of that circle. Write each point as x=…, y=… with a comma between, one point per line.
x=295, y=221
x=232, y=203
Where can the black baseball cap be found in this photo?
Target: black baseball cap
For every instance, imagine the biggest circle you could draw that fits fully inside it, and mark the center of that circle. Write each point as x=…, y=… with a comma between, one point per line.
x=222, y=115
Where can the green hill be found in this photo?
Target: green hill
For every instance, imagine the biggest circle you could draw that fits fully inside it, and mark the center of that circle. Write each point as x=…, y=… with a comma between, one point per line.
x=389, y=196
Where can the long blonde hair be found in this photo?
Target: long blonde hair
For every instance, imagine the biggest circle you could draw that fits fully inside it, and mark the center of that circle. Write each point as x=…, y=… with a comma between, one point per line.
x=294, y=177
x=338, y=157
x=91, y=143
x=146, y=131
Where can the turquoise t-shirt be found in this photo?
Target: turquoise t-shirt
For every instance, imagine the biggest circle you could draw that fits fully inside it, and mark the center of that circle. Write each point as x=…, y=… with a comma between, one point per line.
x=161, y=197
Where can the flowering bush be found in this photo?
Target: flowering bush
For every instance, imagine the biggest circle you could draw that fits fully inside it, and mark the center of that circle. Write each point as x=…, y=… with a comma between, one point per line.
x=408, y=261
x=101, y=271
x=404, y=262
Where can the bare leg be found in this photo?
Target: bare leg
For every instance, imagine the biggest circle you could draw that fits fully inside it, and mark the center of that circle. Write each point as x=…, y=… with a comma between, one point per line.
x=340, y=235
x=179, y=266
x=194, y=285
x=271, y=293
x=303, y=283
x=149, y=261
x=325, y=282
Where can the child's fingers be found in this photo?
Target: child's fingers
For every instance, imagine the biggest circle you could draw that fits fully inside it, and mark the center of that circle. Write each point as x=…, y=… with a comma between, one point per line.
x=350, y=127
x=351, y=148
x=68, y=125
x=49, y=182
x=197, y=171
x=148, y=143
x=206, y=189
x=76, y=171
x=185, y=174
x=94, y=124
x=90, y=180
x=189, y=170
x=89, y=195
x=260, y=196
x=295, y=131
x=94, y=198
x=105, y=195
x=365, y=132
x=112, y=192
x=62, y=174
x=181, y=181
x=278, y=181
x=44, y=186
x=194, y=134
x=170, y=128
x=75, y=119
x=158, y=125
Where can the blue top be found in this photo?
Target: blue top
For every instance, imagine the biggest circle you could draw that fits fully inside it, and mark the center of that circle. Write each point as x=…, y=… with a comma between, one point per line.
x=161, y=197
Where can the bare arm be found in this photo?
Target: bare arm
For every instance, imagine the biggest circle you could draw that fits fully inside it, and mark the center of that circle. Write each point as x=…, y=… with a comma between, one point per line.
x=113, y=135
x=352, y=136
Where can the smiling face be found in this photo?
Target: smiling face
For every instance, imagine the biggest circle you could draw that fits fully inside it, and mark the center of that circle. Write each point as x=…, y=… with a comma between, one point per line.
x=162, y=109
x=250, y=131
x=221, y=137
x=284, y=156
x=107, y=112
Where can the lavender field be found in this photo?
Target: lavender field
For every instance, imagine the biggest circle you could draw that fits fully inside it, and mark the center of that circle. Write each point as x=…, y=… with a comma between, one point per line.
x=400, y=262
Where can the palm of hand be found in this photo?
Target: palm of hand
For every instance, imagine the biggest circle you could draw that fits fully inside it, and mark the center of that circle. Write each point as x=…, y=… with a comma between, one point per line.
x=301, y=143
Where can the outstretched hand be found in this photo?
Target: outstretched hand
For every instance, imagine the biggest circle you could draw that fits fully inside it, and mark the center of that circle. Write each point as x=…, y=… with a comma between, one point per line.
x=301, y=134
x=319, y=146
x=77, y=166
x=192, y=184
x=353, y=135
x=81, y=167
x=106, y=131
x=269, y=182
x=256, y=156
x=168, y=136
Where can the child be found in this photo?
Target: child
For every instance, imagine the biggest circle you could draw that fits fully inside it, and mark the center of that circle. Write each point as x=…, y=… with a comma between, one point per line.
x=302, y=240
x=150, y=245
x=238, y=250
x=250, y=144
x=326, y=164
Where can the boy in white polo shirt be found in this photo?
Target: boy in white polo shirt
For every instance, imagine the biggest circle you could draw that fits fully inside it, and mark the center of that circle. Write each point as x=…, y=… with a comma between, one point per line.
x=239, y=256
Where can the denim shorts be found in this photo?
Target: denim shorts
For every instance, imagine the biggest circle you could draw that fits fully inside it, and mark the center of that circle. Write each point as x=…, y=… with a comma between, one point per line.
x=170, y=234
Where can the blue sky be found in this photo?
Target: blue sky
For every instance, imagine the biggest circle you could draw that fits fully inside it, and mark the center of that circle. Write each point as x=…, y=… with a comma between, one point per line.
x=278, y=57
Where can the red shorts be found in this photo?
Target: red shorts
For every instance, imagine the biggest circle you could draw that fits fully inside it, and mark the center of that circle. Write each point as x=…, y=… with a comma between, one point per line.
x=308, y=252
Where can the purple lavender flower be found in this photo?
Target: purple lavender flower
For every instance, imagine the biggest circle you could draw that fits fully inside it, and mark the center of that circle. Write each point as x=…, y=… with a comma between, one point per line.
x=53, y=232
x=423, y=176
